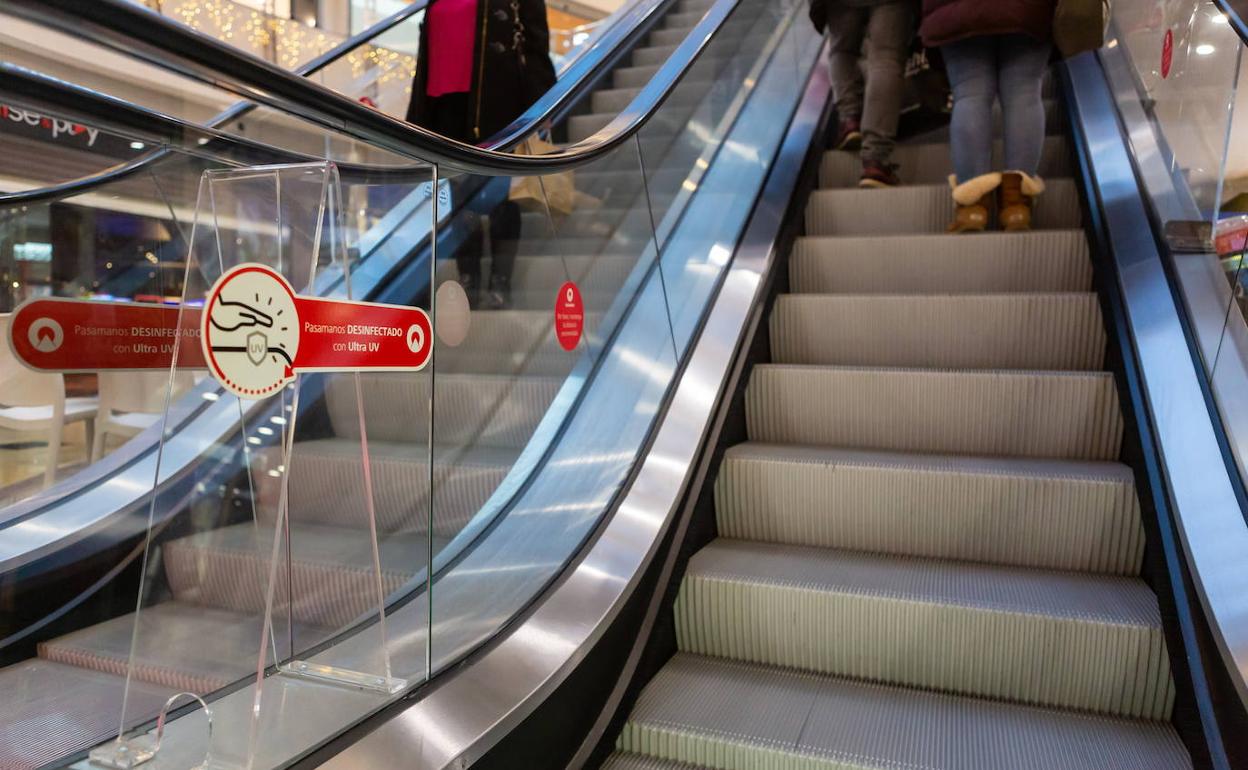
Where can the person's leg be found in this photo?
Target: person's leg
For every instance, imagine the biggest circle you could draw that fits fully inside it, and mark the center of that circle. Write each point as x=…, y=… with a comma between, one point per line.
x=1022, y=63
x=972, y=68
x=504, y=243
x=846, y=26
x=889, y=34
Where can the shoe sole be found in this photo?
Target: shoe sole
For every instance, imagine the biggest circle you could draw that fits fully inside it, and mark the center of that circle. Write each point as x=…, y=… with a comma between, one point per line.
x=851, y=142
x=874, y=184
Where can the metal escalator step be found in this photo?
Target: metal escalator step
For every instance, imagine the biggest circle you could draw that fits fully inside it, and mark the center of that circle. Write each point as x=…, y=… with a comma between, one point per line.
x=931, y=164
x=478, y=409
x=186, y=647
x=1053, y=514
x=330, y=570
x=612, y=101
x=651, y=55
x=327, y=484
x=636, y=77
x=737, y=716
x=50, y=710
x=1048, y=260
x=581, y=127
x=1071, y=415
x=1087, y=642
x=961, y=331
x=683, y=19
x=921, y=209
x=619, y=761
x=669, y=35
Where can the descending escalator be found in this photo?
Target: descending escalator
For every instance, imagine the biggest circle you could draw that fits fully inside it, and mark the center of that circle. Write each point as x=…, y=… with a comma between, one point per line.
x=929, y=551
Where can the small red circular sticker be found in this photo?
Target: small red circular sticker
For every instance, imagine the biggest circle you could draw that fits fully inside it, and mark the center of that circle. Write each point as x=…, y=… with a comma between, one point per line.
x=1167, y=53
x=569, y=316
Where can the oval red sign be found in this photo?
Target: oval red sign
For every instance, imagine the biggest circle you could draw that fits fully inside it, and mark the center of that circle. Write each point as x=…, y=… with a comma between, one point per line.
x=569, y=316
x=1167, y=53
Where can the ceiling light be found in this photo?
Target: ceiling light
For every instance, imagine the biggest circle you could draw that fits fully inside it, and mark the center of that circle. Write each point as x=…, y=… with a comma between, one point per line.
x=1204, y=49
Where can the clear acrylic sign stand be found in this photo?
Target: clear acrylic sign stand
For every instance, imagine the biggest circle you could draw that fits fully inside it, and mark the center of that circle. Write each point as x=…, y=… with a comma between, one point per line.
x=289, y=218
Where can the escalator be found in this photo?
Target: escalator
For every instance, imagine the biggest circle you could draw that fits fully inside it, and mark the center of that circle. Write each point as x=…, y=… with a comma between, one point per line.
x=818, y=486
x=929, y=550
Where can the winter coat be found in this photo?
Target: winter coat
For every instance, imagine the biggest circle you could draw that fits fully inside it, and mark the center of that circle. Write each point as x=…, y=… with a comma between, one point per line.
x=506, y=78
x=819, y=8
x=948, y=21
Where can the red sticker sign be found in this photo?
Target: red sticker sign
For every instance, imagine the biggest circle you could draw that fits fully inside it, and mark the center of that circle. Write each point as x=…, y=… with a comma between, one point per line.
x=257, y=334
x=76, y=335
x=569, y=316
x=1167, y=53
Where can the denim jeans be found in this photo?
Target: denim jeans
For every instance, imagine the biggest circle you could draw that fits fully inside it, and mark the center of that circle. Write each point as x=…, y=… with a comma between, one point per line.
x=981, y=70
x=888, y=29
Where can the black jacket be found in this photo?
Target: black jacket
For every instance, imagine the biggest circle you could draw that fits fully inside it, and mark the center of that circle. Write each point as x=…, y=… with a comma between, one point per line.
x=506, y=78
x=819, y=9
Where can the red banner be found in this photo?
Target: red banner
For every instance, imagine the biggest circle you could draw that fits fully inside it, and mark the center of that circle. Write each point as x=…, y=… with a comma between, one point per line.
x=76, y=335
x=257, y=334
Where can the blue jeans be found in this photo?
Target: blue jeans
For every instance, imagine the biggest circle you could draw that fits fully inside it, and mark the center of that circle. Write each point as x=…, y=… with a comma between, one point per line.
x=982, y=69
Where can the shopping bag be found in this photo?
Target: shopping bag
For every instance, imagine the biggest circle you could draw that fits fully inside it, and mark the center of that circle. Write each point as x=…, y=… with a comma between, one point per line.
x=558, y=190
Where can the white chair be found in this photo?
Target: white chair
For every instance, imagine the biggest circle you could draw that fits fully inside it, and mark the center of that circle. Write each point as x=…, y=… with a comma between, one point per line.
x=34, y=402
x=130, y=402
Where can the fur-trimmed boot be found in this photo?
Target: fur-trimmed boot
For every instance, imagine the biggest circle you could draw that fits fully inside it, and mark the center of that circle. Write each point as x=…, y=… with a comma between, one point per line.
x=1016, y=195
x=973, y=198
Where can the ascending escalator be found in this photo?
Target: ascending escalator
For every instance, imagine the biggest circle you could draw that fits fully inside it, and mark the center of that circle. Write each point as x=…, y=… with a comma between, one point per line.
x=929, y=550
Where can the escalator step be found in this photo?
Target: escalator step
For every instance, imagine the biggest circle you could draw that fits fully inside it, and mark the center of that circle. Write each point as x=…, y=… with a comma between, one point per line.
x=652, y=55
x=1050, y=260
x=481, y=409
x=1054, y=514
x=50, y=710
x=993, y=331
x=920, y=209
x=327, y=484
x=930, y=163
x=1071, y=415
x=738, y=716
x=186, y=647
x=620, y=761
x=330, y=570
x=1087, y=642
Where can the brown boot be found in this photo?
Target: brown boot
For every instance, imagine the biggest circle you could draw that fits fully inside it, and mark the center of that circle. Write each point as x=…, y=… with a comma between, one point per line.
x=972, y=198
x=1015, y=197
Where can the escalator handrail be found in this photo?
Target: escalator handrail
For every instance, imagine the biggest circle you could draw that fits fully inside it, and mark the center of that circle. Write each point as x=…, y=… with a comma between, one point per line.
x=1235, y=17
x=311, y=67
x=136, y=31
x=584, y=68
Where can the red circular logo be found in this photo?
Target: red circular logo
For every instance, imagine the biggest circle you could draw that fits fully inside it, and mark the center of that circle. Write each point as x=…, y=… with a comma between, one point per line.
x=1167, y=53
x=569, y=316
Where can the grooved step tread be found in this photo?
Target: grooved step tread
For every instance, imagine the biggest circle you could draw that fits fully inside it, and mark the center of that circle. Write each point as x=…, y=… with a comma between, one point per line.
x=921, y=209
x=327, y=483
x=621, y=761
x=1038, y=261
x=1055, y=514
x=182, y=646
x=1000, y=331
x=331, y=569
x=1087, y=642
x=1071, y=415
x=738, y=716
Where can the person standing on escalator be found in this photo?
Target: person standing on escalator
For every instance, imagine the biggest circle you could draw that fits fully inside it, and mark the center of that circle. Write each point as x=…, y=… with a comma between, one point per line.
x=868, y=110
x=481, y=64
x=993, y=51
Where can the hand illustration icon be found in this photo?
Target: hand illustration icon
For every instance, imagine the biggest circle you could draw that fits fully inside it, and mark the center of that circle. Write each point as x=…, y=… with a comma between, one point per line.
x=229, y=315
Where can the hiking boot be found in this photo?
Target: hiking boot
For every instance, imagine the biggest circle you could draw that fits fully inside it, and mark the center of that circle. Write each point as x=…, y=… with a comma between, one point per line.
x=878, y=174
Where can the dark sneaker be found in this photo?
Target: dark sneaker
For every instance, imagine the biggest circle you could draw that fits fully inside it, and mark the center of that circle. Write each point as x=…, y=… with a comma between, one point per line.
x=498, y=297
x=471, y=284
x=848, y=135
x=878, y=174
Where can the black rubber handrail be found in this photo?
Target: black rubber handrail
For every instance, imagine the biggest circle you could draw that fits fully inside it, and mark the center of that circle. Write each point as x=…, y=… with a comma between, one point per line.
x=235, y=111
x=134, y=30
